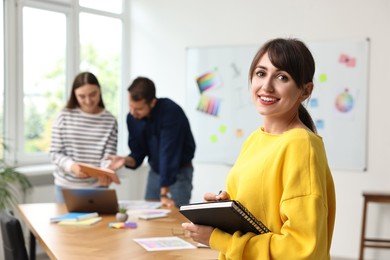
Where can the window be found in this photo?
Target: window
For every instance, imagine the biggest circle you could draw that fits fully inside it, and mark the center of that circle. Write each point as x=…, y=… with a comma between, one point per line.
x=1, y=80
x=114, y=6
x=44, y=67
x=49, y=42
x=100, y=44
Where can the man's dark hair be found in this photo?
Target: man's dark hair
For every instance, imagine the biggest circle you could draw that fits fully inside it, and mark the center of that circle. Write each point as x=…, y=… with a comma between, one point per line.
x=142, y=88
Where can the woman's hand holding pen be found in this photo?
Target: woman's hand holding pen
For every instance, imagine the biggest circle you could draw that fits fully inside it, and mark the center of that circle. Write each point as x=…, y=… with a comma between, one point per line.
x=222, y=195
x=200, y=233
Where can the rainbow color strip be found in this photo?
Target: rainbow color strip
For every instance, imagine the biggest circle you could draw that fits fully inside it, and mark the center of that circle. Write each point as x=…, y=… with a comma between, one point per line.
x=207, y=81
x=209, y=105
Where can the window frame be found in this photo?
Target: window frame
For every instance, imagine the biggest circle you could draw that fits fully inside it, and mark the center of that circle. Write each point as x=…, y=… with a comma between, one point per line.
x=13, y=68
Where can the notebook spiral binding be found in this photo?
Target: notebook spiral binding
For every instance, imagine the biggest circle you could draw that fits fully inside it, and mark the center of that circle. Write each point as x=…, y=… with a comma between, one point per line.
x=252, y=219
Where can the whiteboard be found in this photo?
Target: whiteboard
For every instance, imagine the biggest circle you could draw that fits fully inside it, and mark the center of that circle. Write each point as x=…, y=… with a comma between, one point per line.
x=222, y=115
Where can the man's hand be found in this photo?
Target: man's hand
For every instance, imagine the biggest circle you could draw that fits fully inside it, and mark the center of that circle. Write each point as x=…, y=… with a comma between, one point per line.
x=167, y=202
x=165, y=197
x=117, y=162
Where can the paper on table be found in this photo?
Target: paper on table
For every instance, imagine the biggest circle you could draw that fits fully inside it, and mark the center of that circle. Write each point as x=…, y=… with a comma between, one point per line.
x=139, y=204
x=152, y=215
x=148, y=213
x=163, y=243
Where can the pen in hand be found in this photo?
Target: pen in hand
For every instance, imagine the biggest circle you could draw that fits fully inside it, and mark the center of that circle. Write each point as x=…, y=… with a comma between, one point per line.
x=218, y=198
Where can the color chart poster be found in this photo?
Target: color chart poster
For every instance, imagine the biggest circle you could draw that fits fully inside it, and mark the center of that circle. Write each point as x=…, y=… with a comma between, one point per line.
x=222, y=115
x=218, y=101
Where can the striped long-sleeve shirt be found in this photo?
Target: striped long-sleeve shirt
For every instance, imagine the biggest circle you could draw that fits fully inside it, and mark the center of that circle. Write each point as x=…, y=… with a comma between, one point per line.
x=81, y=137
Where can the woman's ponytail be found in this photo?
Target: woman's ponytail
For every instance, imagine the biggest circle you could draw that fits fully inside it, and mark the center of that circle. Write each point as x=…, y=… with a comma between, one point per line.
x=306, y=118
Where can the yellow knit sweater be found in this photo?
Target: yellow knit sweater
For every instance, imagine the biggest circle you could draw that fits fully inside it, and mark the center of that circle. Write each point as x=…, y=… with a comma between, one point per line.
x=285, y=181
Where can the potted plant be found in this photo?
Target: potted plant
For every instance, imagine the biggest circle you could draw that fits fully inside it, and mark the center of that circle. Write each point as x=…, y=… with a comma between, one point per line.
x=12, y=183
x=122, y=216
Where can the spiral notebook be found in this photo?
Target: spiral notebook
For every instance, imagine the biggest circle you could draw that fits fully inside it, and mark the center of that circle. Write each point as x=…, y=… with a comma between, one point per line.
x=229, y=216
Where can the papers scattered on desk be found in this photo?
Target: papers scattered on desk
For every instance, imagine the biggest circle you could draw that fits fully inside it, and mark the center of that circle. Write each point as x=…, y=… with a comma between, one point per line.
x=143, y=209
x=139, y=204
x=163, y=243
x=152, y=214
x=85, y=222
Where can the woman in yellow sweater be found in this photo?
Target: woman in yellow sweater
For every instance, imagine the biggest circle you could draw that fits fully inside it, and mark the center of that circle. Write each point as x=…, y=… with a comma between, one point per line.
x=282, y=174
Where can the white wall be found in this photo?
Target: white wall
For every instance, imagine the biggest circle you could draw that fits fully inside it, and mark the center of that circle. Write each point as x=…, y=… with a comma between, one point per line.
x=161, y=31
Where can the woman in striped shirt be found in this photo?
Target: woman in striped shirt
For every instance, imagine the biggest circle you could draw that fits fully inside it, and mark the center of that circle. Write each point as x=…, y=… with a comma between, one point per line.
x=84, y=132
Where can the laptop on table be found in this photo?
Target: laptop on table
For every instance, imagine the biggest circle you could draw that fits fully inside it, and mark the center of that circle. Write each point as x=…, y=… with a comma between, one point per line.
x=100, y=200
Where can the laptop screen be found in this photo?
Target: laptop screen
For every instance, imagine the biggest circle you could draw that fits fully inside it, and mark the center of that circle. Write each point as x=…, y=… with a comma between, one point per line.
x=100, y=200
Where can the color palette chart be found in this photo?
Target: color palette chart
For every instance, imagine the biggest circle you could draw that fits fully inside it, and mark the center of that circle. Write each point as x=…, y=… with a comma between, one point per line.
x=209, y=105
x=207, y=81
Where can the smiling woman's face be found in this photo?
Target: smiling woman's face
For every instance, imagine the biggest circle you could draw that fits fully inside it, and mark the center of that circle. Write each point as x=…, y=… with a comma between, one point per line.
x=88, y=97
x=274, y=92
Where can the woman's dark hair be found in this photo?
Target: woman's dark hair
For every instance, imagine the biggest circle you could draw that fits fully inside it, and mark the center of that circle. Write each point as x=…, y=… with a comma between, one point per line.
x=292, y=56
x=80, y=80
x=142, y=88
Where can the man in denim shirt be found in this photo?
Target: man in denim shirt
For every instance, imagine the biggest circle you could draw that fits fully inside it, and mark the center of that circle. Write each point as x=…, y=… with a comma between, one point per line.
x=159, y=129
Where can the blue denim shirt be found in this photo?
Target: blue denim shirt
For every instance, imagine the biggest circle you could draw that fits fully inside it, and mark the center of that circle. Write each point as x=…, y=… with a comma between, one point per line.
x=165, y=138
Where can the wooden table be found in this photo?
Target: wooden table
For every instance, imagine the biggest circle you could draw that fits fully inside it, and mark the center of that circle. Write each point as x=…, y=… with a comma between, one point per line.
x=101, y=242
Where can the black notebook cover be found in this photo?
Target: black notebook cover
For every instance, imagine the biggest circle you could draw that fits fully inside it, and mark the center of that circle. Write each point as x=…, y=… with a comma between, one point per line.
x=227, y=215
